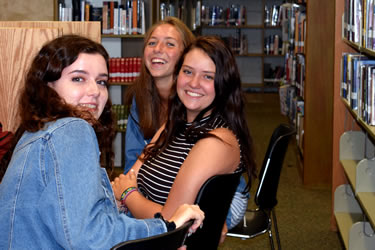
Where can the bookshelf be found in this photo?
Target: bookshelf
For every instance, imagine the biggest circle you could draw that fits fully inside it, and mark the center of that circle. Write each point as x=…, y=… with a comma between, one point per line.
x=250, y=38
x=318, y=142
x=249, y=28
x=292, y=90
x=353, y=149
x=189, y=11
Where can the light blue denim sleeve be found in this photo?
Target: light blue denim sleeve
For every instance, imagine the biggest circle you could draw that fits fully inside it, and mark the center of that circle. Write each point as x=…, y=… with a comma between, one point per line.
x=134, y=139
x=238, y=206
x=86, y=214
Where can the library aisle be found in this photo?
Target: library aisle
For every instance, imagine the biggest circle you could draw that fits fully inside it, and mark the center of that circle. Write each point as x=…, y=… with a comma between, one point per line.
x=303, y=213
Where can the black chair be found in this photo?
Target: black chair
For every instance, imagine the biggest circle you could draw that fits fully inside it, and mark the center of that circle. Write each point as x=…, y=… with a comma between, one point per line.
x=260, y=220
x=166, y=241
x=214, y=198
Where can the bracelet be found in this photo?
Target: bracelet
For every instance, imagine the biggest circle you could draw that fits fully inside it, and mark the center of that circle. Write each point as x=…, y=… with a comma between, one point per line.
x=126, y=193
x=169, y=224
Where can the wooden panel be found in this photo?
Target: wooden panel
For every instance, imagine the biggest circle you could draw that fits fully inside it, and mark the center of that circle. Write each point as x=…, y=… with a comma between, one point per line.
x=17, y=49
x=38, y=10
x=87, y=29
x=317, y=168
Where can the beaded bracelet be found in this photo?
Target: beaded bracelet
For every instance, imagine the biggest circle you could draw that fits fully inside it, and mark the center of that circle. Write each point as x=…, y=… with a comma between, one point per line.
x=126, y=193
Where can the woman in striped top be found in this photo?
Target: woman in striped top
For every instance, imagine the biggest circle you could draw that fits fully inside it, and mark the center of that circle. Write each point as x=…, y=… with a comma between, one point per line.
x=206, y=134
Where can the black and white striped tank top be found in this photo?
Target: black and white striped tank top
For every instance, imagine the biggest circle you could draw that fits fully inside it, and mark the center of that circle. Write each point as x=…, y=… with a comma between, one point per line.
x=156, y=176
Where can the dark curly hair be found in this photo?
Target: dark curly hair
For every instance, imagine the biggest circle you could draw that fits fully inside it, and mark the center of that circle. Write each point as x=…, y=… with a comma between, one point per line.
x=39, y=104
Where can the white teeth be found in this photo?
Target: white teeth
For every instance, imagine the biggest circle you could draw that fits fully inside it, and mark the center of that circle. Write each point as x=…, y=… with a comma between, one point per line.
x=193, y=94
x=90, y=106
x=158, y=61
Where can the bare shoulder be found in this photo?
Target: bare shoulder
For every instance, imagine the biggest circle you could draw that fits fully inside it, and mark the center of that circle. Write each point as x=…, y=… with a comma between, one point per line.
x=221, y=154
x=226, y=135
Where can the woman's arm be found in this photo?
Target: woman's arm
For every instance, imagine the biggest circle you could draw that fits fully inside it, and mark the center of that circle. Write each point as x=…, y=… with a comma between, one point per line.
x=82, y=212
x=209, y=156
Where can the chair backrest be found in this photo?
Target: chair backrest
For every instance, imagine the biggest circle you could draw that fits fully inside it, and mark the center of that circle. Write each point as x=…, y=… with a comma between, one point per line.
x=214, y=199
x=166, y=241
x=269, y=175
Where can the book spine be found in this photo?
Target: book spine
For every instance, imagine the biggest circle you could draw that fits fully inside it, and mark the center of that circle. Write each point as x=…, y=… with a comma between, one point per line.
x=111, y=16
x=87, y=12
x=76, y=5
x=105, y=18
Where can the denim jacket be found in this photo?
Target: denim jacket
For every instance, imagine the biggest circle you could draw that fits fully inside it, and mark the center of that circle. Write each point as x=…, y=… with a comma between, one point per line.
x=55, y=195
x=134, y=144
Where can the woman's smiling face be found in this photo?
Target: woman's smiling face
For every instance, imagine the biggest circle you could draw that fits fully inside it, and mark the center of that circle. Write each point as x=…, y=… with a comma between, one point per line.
x=84, y=83
x=162, y=51
x=196, y=82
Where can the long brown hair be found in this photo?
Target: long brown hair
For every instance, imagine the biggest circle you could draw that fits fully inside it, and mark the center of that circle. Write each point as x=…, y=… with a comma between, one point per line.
x=39, y=104
x=144, y=90
x=228, y=104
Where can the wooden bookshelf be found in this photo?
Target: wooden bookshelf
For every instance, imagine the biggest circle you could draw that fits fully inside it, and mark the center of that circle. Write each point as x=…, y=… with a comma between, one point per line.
x=252, y=63
x=319, y=93
x=124, y=36
x=351, y=164
x=255, y=26
x=120, y=83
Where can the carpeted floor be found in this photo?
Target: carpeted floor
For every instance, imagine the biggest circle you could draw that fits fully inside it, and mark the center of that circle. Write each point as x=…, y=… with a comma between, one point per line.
x=303, y=213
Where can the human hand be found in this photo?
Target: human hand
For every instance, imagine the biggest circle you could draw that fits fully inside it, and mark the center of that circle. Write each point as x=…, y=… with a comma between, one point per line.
x=187, y=212
x=224, y=232
x=122, y=182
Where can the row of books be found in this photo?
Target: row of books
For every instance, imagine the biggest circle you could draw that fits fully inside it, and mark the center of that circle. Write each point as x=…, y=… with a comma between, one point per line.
x=293, y=106
x=180, y=11
x=357, y=85
x=272, y=15
x=359, y=22
x=124, y=69
x=273, y=75
x=235, y=15
x=295, y=72
x=121, y=113
x=293, y=22
x=272, y=45
x=238, y=43
x=116, y=19
x=290, y=103
x=74, y=10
